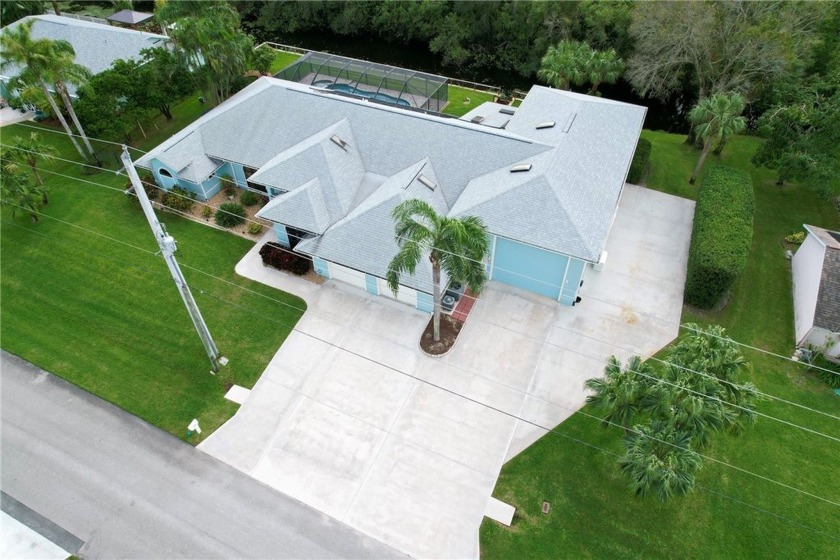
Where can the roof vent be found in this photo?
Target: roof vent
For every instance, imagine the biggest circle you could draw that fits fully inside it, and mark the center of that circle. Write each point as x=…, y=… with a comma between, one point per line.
x=339, y=142
x=478, y=119
x=507, y=111
x=426, y=181
x=521, y=168
x=569, y=122
x=547, y=124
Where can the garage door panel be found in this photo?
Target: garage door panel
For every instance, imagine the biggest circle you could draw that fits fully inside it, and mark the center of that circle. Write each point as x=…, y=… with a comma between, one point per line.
x=347, y=275
x=405, y=295
x=529, y=268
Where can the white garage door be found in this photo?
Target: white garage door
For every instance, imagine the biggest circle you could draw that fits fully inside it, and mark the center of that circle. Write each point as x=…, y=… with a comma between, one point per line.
x=405, y=295
x=347, y=275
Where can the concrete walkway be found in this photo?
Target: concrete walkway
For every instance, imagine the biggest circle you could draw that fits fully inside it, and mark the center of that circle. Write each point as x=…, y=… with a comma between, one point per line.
x=12, y=116
x=351, y=418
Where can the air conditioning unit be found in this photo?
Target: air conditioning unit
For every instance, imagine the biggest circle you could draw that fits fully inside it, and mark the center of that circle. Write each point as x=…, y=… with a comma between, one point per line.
x=599, y=266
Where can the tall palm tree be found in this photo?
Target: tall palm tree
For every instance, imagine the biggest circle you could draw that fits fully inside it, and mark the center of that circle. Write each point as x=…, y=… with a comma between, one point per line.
x=715, y=119
x=603, y=67
x=620, y=394
x=63, y=70
x=456, y=245
x=35, y=58
x=29, y=149
x=659, y=460
x=564, y=64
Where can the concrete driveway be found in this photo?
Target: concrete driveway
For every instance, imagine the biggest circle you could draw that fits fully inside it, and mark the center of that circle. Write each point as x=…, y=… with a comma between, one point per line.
x=351, y=418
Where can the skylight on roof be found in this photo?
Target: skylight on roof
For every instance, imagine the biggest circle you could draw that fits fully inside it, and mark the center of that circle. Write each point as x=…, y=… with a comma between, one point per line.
x=520, y=168
x=547, y=124
x=336, y=139
x=507, y=111
x=426, y=181
x=478, y=119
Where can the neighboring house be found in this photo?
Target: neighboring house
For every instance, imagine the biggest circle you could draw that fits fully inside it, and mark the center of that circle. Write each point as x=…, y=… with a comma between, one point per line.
x=816, y=291
x=97, y=46
x=545, y=177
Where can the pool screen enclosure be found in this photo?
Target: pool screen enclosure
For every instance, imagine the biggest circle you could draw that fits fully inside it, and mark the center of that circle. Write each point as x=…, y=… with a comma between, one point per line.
x=369, y=80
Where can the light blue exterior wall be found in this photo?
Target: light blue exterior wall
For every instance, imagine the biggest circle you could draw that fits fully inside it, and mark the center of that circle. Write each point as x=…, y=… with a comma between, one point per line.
x=165, y=182
x=425, y=302
x=370, y=284
x=202, y=191
x=536, y=270
x=321, y=267
x=234, y=172
x=282, y=235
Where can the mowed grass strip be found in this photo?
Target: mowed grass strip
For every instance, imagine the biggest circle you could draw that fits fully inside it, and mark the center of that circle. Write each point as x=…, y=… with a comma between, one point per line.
x=463, y=100
x=593, y=513
x=108, y=317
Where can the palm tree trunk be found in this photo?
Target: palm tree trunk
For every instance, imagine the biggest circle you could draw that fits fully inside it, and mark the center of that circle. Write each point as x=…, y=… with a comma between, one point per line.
x=69, y=106
x=61, y=119
x=55, y=7
x=436, y=297
x=700, y=161
x=594, y=89
x=37, y=175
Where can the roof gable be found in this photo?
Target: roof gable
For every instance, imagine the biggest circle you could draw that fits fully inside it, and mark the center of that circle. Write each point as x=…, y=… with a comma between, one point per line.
x=303, y=208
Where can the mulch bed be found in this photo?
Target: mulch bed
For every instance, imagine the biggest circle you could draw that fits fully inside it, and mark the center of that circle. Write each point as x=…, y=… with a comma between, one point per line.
x=449, y=329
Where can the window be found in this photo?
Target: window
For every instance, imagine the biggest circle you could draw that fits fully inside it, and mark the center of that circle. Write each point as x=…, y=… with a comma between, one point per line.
x=163, y=172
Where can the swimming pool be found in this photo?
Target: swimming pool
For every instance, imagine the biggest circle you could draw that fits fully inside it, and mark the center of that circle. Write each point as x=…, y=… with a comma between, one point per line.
x=347, y=88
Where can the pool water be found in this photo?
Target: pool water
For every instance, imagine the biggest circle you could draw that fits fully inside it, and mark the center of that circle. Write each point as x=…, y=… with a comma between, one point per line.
x=347, y=88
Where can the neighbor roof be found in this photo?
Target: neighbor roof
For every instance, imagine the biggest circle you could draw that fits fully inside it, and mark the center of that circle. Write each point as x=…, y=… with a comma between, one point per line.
x=130, y=17
x=565, y=202
x=827, y=312
x=97, y=46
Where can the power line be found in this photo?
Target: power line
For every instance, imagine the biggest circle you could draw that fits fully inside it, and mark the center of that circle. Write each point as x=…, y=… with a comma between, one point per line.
x=581, y=412
x=554, y=325
x=589, y=296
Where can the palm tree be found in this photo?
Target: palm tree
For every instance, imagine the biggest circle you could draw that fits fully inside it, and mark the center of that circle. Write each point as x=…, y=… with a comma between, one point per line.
x=456, y=245
x=620, y=394
x=564, y=64
x=659, y=460
x=29, y=149
x=715, y=119
x=603, y=67
x=63, y=70
x=35, y=57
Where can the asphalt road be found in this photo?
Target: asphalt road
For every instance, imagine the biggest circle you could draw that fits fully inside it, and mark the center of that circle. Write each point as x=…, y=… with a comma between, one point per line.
x=130, y=490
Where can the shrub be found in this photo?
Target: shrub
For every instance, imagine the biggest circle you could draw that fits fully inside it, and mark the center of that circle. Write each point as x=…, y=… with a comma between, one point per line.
x=640, y=161
x=178, y=198
x=828, y=372
x=149, y=186
x=254, y=228
x=796, y=238
x=230, y=214
x=228, y=187
x=249, y=198
x=206, y=212
x=281, y=258
x=721, y=237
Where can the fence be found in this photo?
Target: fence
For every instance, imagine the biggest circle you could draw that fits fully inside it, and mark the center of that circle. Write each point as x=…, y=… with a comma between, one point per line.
x=453, y=81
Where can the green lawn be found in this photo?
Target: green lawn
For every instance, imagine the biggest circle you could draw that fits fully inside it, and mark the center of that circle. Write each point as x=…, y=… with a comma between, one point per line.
x=463, y=100
x=108, y=318
x=594, y=515
x=281, y=60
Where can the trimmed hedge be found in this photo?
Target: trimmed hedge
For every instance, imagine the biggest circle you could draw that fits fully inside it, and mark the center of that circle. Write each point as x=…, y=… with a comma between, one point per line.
x=178, y=198
x=248, y=198
x=640, y=161
x=721, y=237
x=279, y=257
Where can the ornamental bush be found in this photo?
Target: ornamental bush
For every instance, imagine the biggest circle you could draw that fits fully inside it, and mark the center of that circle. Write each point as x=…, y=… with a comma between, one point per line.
x=640, y=161
x=721, y=237
x=249, y=198
x=230, y=214
x=277, y=256
x=178, y=198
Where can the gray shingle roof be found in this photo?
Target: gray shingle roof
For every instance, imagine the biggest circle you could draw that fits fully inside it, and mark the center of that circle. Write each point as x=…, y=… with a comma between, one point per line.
x=340, y=170
x=364, y=240
x=565, y=203
x=97, y=46
x=827, y=312
x=302, y=208
x=130, y=17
